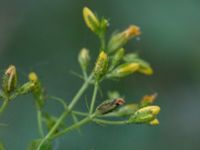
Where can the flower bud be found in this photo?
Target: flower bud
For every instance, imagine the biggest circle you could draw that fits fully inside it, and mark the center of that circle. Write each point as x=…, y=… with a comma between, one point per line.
x=113, y=94
x=154, y=122
x=37, y=90
x=145, y=67
x=152, y=109
x=127, y=110
x=148, y=99
x=84, y=58
x=101, y=65
x=33, y=77
x=91, y=19
x=117, y=58
x=109, y=106
x=10, y=79
x=145, y=115
x=118, y=40
x=124, y=70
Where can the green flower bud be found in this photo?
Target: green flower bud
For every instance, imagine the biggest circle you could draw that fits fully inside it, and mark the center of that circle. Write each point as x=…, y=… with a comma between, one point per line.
x=84, y=58
x=127, y=110
x=118, y=40
x=124, y=70
x=101, y=65
x=113, y=94
x=109, y=106
x=25, y=88
x=37, y=90
x=145, y=115
x=145, y=67
x=117, y=58
x=10, y=79
x=91, y=20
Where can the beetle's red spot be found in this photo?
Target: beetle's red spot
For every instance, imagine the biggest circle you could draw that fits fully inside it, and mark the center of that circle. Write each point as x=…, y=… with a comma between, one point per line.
x=119, y=101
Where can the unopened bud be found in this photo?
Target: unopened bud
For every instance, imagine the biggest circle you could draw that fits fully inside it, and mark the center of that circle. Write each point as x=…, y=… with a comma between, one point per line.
x=33, y=77
x=145, y=115
x=118, y=40
x=127, y=110
x=109, y=106
x=117, y=58
x=10, y=79
x=152, y=109
x=154, y=122
x=84, y=58
x=148, y=99
x=124, y=70
x=145, y=67
x=25, y=88
x=101, y=65
x=91, y=19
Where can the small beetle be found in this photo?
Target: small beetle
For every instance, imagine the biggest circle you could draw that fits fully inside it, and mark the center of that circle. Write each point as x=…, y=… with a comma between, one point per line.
x=109, y=105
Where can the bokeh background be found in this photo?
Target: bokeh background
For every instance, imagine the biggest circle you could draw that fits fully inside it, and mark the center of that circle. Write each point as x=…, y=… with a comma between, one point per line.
x=46, y=36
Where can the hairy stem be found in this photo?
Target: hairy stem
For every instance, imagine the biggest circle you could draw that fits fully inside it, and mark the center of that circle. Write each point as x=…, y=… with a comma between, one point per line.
x=66, y=112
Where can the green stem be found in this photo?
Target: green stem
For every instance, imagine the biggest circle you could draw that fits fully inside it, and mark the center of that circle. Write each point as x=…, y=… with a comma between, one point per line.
x=4, y=105
x=102, y=42
x=111, y=122
x=93, y=98
x=39, y=118
x=74, y=126
x=66, y=112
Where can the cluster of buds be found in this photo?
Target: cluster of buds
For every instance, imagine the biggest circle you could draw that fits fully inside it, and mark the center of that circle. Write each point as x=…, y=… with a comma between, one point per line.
x=146, y=115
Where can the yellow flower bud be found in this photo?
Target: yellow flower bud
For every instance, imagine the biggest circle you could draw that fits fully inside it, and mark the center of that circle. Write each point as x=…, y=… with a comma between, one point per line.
x=91, y=19
x=145, y=115
x=148, y=99
x=125, y=69
x=153, y=109
x=33, y=77
x=118, y=40
x=132, y=31
x=101, y=65
x=154, y=122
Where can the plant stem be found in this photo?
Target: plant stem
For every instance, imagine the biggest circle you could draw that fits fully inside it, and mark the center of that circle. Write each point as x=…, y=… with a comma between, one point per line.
x=93, y=98
x=102, y=41
x=74, y=126
x=39, y=118
x=111, y=122
x=4, y=105
x=66, y=112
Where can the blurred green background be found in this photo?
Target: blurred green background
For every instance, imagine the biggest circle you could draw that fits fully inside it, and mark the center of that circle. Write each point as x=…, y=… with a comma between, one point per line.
x=46, y=36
